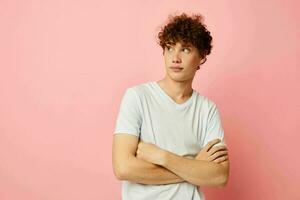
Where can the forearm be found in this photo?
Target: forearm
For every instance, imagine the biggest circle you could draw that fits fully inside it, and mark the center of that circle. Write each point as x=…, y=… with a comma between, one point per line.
x=140, y=171
x=197, y=172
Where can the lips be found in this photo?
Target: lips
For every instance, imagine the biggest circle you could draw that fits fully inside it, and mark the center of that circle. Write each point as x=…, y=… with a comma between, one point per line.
x=176, y=67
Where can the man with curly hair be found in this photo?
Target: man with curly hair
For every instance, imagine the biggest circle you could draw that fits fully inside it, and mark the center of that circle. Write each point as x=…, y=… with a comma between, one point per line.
x=168, y=140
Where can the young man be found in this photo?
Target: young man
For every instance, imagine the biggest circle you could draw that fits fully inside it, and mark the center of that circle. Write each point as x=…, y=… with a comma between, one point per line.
x=168, y=140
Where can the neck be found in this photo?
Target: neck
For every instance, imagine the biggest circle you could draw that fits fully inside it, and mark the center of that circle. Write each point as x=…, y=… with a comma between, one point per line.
x=178, y=90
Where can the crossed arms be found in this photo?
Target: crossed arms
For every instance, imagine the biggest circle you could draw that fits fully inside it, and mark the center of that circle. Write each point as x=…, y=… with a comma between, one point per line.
x=146, y=163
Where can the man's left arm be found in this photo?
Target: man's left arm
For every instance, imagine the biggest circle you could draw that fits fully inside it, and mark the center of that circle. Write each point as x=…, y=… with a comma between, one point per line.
x=197, y=172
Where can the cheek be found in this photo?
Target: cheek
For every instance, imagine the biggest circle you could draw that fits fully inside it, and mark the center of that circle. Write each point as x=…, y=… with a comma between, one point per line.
x=193, y=62
x=190, y=63
x=167, y=63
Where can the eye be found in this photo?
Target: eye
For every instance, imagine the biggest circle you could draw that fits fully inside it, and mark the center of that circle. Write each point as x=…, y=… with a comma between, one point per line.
x=187, y=50
x=168, y=48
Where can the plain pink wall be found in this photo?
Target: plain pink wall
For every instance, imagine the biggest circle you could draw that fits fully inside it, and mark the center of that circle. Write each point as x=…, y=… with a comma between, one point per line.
x=65, y=65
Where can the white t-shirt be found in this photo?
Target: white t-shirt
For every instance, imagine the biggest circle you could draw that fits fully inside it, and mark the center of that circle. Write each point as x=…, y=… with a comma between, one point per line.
x=148, y=112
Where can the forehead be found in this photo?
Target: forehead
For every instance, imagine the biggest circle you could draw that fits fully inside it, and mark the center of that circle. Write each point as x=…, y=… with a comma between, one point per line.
x=179, y=43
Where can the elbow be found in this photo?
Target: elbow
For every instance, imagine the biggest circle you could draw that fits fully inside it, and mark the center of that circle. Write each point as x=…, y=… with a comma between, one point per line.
x=223, y=179
x=223, y=182
x=122, y=168
x=220, y=178
x=218, y=182
x=120, y=172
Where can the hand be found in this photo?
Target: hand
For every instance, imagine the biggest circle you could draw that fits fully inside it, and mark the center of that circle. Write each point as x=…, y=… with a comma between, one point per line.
x=150, y=153
x=213, y=154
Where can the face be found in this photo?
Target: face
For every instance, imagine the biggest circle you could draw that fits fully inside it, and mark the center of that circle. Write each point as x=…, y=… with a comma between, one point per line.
x=184, y=56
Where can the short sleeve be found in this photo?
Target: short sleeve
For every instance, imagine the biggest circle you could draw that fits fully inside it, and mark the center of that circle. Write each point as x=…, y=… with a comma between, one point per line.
x=214, y=127
x=129, y=117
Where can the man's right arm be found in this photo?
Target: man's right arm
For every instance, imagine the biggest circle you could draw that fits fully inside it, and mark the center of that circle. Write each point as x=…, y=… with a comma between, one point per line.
x=127, y=167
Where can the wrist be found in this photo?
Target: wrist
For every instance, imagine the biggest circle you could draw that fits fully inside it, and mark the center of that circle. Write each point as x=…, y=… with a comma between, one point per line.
x=164, y=158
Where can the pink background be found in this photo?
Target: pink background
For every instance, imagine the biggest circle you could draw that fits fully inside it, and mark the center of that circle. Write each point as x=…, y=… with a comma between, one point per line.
x=65, y=65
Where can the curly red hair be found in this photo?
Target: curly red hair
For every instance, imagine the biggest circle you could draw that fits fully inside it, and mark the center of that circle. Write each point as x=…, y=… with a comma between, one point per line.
x=187, y=30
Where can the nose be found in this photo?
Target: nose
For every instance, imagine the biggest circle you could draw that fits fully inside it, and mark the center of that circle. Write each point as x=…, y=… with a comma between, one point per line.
x=176, y=58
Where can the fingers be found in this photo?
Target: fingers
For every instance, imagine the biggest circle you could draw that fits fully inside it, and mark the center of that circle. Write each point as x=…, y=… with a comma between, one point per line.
x=216, y=149
x=219, y=154
x=211, y=143
x=221, y=159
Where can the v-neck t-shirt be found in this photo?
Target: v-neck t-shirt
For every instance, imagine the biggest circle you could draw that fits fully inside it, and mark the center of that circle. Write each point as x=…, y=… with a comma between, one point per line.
x=149, y=113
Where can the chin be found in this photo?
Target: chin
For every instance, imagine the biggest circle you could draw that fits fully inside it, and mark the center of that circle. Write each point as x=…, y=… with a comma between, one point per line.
x=178, y=78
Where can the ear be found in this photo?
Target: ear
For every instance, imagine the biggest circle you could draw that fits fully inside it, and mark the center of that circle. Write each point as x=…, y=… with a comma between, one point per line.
x=203, y=61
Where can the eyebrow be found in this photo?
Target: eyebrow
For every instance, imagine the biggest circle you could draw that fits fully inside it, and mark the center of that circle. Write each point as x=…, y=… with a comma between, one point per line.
x=183, y=45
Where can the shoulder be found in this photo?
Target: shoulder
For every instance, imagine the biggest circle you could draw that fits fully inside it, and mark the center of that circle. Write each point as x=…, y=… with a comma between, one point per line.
x=139, y=89
x=206, y=101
